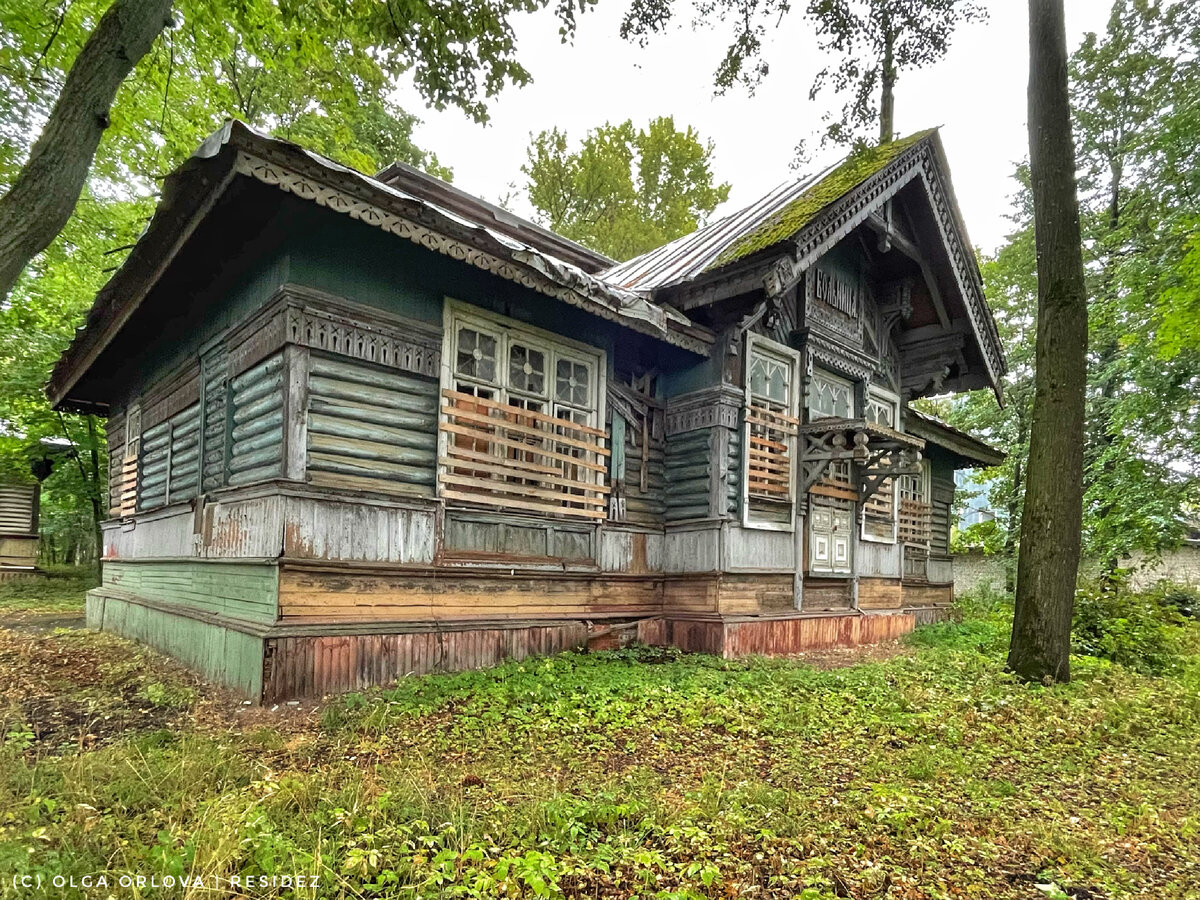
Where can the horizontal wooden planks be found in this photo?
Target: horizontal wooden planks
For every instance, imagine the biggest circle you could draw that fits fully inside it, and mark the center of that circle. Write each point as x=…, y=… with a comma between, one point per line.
x=329, y=597
x=241, y=591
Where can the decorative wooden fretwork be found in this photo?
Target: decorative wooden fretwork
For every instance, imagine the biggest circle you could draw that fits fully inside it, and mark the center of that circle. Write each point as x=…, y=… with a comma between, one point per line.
x=708, y=408
x=320, y=330
x=771, y=435
x=500, y=455
x=524, y=267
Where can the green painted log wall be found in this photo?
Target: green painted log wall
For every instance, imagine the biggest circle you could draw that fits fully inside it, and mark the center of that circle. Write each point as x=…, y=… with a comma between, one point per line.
x=170, y=460
x=371, y=428
x=256, y=447
x=689, y=467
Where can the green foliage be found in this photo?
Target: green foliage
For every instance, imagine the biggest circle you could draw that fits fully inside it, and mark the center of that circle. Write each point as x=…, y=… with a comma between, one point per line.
x=989, y=536
x=1136, y=147
x=870, y=40
x=649, y=774
x=1137, y=630
x=624, y=191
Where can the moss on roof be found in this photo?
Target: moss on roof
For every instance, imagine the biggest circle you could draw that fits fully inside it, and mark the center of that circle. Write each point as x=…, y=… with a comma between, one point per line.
x=853, y=171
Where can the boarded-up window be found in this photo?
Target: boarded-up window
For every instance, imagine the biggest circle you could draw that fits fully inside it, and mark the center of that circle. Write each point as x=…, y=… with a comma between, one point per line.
x=129, y=461
x=18, y=509
x=914, y=514
x=770, y=431
x=520, y=418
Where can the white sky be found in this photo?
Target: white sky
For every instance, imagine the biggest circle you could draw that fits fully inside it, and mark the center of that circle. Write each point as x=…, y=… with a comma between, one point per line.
x=977, y=95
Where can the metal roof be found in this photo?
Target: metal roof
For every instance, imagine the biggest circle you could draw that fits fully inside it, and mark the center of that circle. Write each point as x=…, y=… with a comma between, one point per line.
x=689, y=256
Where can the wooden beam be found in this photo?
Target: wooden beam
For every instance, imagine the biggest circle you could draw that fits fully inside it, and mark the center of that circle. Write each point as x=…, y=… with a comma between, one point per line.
x=884, y=228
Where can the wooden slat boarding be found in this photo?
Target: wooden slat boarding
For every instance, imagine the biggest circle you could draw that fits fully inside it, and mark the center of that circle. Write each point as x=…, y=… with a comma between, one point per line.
x=129, y=486
x=501, y=455
x=915, y=522
x=331, y=664
x=768, y=456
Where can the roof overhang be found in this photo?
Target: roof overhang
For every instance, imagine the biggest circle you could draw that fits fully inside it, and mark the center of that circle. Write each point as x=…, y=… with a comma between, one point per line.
x=237, y=151
x=971, y=452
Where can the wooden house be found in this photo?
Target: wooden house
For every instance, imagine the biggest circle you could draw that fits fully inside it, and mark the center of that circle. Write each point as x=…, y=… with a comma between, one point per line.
x=366, y=426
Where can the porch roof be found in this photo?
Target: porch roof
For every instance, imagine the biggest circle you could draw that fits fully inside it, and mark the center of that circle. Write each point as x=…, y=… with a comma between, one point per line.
x=971, y=452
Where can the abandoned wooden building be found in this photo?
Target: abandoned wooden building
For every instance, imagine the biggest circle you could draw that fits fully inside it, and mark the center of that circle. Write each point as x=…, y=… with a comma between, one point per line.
x=361, y=427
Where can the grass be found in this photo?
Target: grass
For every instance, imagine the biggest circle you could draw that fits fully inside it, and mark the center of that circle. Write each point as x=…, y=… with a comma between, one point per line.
x=931, y=774
x=59, y=591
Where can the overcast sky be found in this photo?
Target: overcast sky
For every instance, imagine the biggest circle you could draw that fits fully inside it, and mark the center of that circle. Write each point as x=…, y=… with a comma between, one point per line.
x=977, y=95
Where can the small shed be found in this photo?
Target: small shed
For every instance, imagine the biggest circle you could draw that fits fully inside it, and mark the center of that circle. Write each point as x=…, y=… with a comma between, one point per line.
x=19, y=504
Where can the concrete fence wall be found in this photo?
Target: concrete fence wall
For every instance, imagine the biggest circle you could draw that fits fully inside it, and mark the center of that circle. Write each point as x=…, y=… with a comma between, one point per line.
x=974, y=570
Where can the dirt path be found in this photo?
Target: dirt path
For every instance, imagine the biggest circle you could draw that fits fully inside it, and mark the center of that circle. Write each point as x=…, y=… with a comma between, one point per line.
x=39, y=623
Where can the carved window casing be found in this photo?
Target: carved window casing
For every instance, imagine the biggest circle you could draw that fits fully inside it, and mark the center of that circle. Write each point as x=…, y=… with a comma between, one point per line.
x=769, y=434
x=520, y=419
x=879, y=511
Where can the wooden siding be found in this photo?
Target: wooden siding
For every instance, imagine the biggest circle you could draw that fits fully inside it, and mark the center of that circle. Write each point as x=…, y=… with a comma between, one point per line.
x=825, y=595
x=226, y=655
x=256, y=448
x=214, y=402
x=928, y=594
x=371, y=428
x=171, y=460
x=688, y=466
x=879, y=593
x=783, y=636
x=692, y=550
x=316, y=595
x=758, y=549
x=18, y=551
x=483, y=535
x=18, y=509
x=646, y=506
x=313, y=666
x=633, y=552
x=244, y=591
x=879, y=559
x=756, y=594
x=317, y=528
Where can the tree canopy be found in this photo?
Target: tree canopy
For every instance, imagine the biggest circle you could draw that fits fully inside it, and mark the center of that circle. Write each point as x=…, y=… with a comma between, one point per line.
x=623, y=190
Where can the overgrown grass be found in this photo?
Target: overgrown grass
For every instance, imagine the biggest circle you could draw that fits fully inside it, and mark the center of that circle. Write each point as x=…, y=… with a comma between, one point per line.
x=59, y=590
x=652, y=774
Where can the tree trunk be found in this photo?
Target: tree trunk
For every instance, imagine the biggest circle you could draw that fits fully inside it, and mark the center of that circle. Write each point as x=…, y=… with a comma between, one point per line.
x=887, y=78
x=42, y=198
x=1048, y=558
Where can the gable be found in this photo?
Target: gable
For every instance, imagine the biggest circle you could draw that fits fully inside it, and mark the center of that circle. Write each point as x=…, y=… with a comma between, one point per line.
x=897, y=198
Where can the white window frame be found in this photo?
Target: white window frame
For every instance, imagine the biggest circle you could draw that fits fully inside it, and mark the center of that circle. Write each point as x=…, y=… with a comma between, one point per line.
x=882, y=396
x=506, y=330
x=756, y=343
x=820, y=374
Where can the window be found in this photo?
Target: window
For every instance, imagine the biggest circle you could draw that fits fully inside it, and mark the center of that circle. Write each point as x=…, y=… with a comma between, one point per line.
x=829, y=397
x=769, y=436
x=914, y=517
x=129, y=461
x=879, y=511
x=521, y=422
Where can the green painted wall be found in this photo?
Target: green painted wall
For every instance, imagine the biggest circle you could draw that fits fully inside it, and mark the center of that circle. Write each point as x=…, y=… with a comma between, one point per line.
x=246, y=591
x=221, y=654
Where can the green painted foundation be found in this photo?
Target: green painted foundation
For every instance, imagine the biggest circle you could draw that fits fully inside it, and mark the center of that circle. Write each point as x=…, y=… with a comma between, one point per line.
x=221, y=653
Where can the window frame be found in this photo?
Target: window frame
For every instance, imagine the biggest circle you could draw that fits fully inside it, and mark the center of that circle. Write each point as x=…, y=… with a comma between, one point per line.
x=756, y=343
x=880, y=395
x=504, y=330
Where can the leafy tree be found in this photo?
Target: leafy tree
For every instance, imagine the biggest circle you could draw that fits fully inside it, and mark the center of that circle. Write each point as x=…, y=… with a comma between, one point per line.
x=624, y=190
x=872, y=41
x=1048, y=556
x=290, y=63
x=315, y=72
